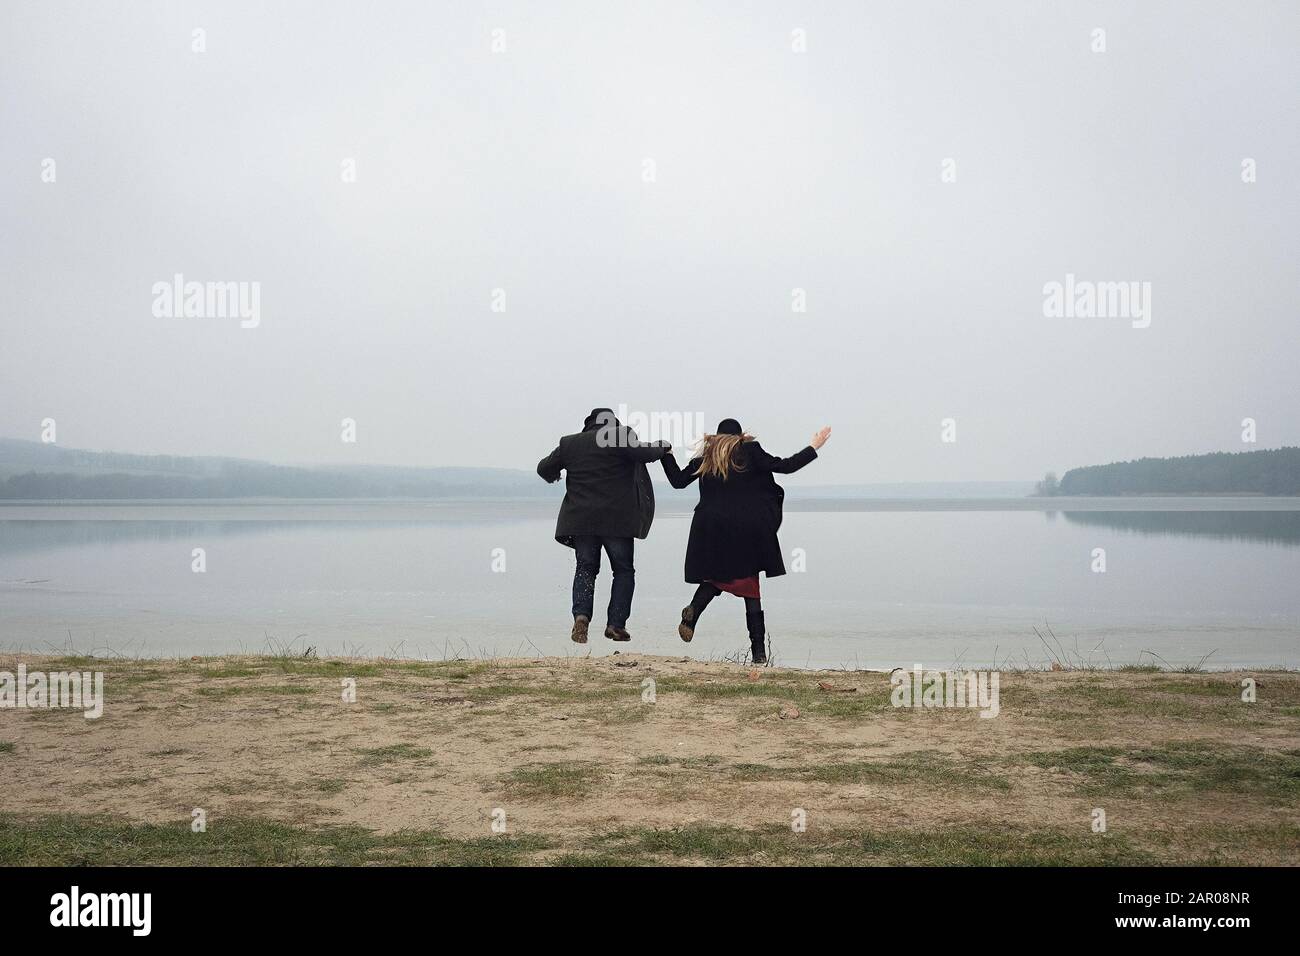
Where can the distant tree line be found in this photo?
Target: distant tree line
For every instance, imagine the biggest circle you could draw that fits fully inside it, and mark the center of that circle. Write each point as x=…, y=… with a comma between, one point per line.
x=1270, y=472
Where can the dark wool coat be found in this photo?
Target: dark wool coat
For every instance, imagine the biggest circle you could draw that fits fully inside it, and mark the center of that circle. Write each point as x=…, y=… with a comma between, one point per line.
x=733, y=533
x=607, y=488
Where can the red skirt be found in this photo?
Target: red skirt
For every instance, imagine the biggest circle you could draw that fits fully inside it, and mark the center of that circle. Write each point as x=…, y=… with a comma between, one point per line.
x=741, y=587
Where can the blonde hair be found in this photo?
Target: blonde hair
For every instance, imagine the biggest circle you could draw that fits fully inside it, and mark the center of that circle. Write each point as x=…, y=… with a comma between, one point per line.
x=718, y=455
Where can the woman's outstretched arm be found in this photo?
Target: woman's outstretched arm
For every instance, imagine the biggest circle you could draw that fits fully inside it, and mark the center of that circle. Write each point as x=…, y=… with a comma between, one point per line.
x=786, y=466
x=676, y=477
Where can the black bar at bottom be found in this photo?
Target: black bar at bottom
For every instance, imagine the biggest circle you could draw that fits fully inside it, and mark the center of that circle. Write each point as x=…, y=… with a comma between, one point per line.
x=301, y=905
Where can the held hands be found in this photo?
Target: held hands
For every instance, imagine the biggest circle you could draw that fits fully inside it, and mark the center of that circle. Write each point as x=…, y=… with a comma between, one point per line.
x=820, y=438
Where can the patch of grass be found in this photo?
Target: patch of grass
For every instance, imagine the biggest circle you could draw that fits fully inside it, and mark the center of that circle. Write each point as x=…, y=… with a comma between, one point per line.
x=69, y=840
x=132, y=677
x=316, y=667
x=1018, y=698
x=872, y=696
x=1077, y=759
x=678, y=778
x=64, y=840
x=1178, y=768
x=237, y=788
x=561, y=693
x=1273, y=691
x=1200, y=688
x=123, y=670
x=402, y=687
x=392, y=753
x=699, y=842
x=51, y=713
x=923, y=768
x=1227, y=844
x=590, y=860
x=706, y=762
x=1250, y=770
x=628, y=713
x=565, y=779
x=920, y=768
x=82, y=662
x=230, y=670
x=6, y=747
x=102, y=785
x=312, y=667
x=1128, y=701
x=1207, y=699
x=456, y=670
x=257, y=690
x=777, y=844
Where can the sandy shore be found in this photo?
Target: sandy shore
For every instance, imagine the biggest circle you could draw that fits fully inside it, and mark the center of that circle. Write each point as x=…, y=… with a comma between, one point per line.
x=583, y=768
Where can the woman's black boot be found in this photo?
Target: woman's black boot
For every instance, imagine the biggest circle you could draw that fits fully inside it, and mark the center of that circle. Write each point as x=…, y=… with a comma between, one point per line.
x=757, y=637
x=691, y=613
x=686, y=629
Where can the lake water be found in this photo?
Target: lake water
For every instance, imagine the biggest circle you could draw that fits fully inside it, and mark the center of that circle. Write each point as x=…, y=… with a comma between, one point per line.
x=887, y=582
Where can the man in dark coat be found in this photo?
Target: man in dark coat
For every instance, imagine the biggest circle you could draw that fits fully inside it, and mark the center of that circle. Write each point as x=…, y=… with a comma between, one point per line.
x=608, y=502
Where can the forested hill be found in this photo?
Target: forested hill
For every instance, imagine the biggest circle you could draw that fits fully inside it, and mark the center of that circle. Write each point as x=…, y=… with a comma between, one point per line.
x=31, y=470
x=1271, y=472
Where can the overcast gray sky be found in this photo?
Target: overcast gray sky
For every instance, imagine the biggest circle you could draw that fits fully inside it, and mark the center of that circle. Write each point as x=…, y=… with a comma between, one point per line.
x=774, y=170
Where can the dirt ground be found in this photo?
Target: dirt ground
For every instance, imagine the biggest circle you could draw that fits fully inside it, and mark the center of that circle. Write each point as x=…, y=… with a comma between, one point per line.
x=1184, y=770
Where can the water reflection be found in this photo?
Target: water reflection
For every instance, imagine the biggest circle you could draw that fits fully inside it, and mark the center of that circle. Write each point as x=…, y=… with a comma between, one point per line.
x=1273, y=527
x=28, y=537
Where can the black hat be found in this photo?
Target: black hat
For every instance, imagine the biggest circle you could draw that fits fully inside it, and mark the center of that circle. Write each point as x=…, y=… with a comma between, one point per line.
x=729, y=426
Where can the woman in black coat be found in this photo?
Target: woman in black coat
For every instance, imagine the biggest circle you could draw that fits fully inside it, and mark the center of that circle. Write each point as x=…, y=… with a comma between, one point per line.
x=733, y=533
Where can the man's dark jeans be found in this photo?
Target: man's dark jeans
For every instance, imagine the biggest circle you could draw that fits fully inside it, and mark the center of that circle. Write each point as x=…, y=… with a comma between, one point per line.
x=587, y=547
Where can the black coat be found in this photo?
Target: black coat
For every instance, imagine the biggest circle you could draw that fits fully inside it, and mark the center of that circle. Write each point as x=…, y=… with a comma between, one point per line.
x=607, y=487
x=733, y=533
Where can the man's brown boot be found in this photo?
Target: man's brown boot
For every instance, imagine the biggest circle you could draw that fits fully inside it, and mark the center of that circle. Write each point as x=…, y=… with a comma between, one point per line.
x=579, y=632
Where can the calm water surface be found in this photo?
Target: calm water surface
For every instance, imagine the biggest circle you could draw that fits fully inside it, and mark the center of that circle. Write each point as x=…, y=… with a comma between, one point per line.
x=886, y=582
